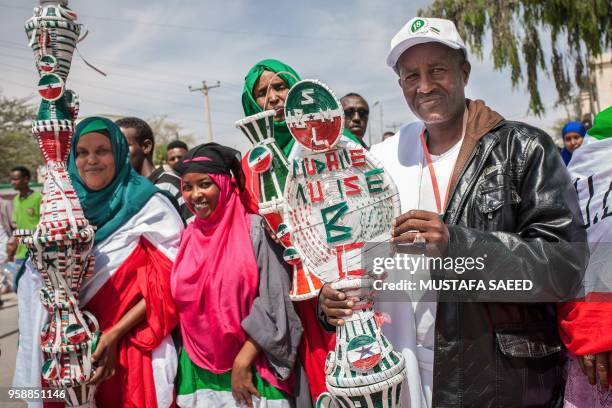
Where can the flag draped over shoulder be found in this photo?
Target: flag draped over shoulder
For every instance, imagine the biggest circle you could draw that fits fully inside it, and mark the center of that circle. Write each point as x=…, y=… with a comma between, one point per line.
x=585, y=326
x=138, y=381
x=138, y=233
x=131, y=264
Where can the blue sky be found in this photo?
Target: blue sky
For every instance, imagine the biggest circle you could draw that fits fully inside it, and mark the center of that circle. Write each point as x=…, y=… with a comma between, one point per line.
x=153, y=50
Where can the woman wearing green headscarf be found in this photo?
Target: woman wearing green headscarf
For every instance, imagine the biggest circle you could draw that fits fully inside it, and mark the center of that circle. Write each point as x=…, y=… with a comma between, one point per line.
x=265, y=87
x=264, y=90
x=137, y=235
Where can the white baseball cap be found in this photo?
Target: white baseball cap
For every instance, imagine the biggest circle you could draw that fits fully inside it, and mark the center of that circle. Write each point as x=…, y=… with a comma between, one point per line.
x=420, y=30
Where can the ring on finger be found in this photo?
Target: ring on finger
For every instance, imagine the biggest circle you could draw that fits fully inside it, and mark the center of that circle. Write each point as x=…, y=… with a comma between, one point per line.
x=419, y=239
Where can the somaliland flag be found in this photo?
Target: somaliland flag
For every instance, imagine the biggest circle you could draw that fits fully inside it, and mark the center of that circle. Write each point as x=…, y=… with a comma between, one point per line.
x=259, y=159
x=313, y=115
x=363, y=352
x=291, y=256
x=47, y=63
x=317, y=130
x=50, y=87
x=585, y=326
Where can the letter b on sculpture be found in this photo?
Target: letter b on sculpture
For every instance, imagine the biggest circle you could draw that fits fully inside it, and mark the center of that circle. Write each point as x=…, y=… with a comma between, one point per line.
x=330, y=216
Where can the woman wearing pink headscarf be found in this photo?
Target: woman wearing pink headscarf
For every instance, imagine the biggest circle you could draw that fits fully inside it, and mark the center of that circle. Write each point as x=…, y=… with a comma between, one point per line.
x=230, y=284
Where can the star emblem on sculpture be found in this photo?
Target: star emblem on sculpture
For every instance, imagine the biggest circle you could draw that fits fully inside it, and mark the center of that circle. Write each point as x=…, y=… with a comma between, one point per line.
x=365, y=351
x=60, y=246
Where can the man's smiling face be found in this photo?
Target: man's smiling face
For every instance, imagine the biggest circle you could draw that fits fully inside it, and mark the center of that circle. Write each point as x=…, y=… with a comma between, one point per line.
x=433, y=77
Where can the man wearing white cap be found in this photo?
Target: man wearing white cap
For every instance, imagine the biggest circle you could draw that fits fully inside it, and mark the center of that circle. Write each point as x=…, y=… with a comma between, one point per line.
x=467, y=180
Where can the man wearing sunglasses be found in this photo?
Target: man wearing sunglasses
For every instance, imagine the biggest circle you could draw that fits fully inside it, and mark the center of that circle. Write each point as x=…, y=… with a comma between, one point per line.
x=356, y=112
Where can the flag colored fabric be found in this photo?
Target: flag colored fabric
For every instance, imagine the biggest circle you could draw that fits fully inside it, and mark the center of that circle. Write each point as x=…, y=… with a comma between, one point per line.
x=216, y=261
x=585, y=326
x=198, y=387
x=133, y=263
x=316, y=343
x=144, y=274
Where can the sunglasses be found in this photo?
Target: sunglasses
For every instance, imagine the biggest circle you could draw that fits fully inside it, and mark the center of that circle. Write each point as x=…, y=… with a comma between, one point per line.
x=351, y=111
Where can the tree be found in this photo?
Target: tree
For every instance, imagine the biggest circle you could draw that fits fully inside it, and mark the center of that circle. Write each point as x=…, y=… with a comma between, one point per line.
x=166, y=131
x=579, y=31
x=17, y=145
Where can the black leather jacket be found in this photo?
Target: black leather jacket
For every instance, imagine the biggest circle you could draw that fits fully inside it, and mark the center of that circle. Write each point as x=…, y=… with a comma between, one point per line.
x=512, y=190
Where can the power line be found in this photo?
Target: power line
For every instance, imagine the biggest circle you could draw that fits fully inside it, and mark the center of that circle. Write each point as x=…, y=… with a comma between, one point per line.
x=114, y=107
x=216, y=30
x=122, y=90
x=141, y=69
x=140, y=75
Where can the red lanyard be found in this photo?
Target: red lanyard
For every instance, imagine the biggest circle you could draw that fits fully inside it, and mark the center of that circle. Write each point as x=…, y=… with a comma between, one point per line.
x=432, y=174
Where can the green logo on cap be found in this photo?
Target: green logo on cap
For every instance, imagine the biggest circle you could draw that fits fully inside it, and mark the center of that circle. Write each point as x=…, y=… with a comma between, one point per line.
x=417, y=25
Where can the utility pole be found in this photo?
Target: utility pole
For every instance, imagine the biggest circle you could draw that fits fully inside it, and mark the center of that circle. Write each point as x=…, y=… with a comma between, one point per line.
x=204, y=89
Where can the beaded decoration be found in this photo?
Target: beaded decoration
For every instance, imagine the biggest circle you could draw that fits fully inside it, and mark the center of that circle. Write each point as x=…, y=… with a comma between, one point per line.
x=60, y=245
x=325, y=201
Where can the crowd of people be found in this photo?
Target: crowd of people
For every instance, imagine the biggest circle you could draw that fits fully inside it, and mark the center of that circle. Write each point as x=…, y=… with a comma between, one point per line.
x=192, y=293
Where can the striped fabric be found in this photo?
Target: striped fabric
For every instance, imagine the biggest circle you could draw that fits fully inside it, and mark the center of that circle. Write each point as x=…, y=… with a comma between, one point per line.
x=197, y=387
x=171, y=182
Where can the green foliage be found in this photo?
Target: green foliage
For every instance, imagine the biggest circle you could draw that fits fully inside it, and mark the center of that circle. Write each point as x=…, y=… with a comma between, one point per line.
x=159, y=155
x=166, y=131
x=578, y=31
x=17, y=145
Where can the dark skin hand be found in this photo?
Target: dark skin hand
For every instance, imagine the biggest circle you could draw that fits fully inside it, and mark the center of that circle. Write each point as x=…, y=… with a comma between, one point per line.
x=105, y=355
x=598, y=369
x=242, y=374
x=429, y=224
x=337, y=306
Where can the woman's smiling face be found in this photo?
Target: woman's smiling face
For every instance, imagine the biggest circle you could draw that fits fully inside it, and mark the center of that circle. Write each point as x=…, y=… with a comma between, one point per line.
x=200, y=193
x=95, y=161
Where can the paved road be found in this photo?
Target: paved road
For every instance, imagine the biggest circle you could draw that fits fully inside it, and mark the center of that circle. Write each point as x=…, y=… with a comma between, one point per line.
x=8, y=345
